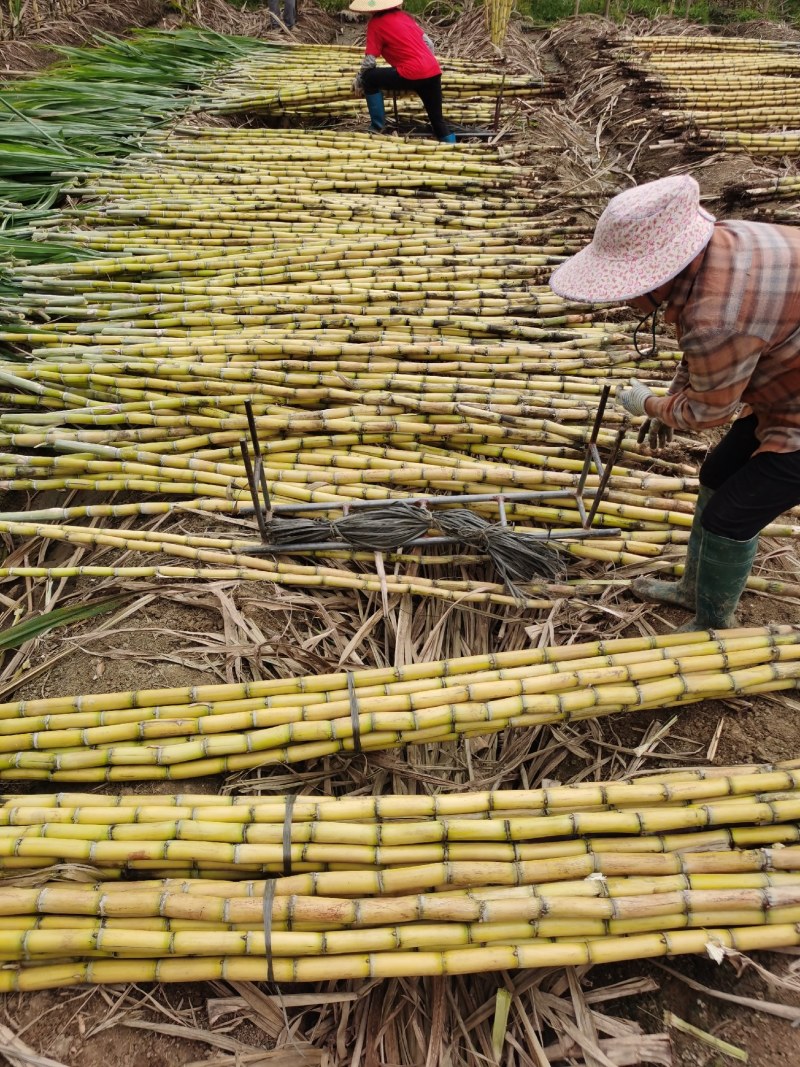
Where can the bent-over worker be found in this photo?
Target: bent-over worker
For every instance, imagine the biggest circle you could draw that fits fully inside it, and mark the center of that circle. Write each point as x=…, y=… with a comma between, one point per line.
x=396, y=36
x=732, y=290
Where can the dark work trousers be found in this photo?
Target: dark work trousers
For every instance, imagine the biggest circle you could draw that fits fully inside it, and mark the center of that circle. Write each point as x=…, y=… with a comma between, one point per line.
x=749, y=491
x=429, y=90
x=289, y=12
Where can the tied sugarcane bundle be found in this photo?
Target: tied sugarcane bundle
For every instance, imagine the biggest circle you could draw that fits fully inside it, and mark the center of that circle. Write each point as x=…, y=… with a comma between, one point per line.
x=498, y=15
x=239, y=836
x=184, y=733
x=397, y=885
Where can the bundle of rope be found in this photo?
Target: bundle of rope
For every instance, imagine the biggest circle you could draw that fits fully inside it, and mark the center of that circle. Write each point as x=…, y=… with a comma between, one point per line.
x=519, y=557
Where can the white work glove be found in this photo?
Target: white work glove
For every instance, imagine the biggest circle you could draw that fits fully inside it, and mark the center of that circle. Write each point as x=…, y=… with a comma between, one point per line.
x=428, y=42
x=633, y=398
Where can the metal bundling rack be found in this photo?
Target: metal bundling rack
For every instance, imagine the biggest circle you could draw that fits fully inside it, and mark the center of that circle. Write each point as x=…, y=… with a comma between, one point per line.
x=265, y=511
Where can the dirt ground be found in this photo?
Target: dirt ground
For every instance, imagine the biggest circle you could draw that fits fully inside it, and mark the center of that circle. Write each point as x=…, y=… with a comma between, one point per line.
x=36, y=50
x=175, y=639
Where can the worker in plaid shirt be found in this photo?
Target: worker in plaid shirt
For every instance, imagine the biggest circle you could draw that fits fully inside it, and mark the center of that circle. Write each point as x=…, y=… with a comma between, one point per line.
x=732, y=290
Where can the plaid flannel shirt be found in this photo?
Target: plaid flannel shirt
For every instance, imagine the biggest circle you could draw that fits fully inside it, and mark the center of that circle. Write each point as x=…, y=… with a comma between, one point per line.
x=736, y=309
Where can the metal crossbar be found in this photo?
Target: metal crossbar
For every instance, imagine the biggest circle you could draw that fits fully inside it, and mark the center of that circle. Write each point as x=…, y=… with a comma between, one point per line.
x=265, y=510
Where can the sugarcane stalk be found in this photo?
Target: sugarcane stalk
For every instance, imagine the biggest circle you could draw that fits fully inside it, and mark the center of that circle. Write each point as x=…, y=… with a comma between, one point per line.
x=279, y=726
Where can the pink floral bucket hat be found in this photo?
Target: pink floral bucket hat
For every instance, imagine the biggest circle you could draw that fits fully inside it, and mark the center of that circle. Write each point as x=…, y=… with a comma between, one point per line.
x=645, y=237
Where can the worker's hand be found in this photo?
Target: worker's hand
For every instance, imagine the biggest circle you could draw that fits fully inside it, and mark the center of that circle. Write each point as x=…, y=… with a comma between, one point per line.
x=428, y=42
x=367, y=63
x=633, y=398
x=659, y=435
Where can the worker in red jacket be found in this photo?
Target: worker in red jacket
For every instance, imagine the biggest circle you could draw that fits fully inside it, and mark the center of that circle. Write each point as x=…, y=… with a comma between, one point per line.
x=396, y=36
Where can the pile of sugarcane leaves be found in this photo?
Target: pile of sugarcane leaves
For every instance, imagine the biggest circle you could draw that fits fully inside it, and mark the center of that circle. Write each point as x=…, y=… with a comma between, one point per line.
x=90, y=108
x=518, y=557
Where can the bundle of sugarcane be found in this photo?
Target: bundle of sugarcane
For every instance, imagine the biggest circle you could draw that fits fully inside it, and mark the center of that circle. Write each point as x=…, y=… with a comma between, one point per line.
x=183, y=733
x=723, y=89
x=779, y=187
x=315, y=80
x=224, y=558
x=397, y=885
x=236, y=837
x=498, y=15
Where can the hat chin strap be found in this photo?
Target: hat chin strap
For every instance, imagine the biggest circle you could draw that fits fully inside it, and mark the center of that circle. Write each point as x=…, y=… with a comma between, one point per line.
x=653, y=350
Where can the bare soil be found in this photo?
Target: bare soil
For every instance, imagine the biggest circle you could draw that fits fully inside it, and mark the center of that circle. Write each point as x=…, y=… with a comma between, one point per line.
x=37, y=50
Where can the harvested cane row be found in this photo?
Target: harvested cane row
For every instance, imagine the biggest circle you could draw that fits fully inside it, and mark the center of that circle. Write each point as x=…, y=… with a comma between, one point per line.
x=308, y=82
x=382, y=355
x=734, y=94
x=397, y=885
x=217, y=729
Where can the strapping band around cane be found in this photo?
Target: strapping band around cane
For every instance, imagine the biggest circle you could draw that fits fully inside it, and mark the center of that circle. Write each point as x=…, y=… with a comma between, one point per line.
x=354, y=716
x=269, y=897
x=287, y=837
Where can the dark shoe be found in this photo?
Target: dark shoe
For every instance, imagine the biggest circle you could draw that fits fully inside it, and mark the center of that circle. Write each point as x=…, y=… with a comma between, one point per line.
x=682, y=592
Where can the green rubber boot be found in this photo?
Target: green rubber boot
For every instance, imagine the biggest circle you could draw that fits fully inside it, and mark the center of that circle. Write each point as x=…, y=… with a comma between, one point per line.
x=722, y=572
x=682, y=592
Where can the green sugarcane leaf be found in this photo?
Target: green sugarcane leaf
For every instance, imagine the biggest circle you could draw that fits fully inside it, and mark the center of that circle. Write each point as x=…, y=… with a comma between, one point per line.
x=39, y=624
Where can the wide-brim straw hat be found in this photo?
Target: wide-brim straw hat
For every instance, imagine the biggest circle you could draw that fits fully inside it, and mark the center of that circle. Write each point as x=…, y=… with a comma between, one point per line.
x=644, y=238
x=374, y=5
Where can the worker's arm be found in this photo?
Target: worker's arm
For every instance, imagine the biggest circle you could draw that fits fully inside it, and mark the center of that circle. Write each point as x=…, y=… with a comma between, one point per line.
x=680, y=379
x=374, y=43
x=718, y=368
